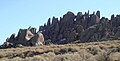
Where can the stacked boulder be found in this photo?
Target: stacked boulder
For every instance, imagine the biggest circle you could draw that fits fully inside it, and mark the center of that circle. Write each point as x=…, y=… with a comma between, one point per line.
x=25, y=37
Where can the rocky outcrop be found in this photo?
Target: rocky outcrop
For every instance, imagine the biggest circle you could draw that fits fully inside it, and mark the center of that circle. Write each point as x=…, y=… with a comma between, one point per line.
x=37, y=40
x=82, y=27
x=69, y=29
x=117, y=34
x=25, y=37
x=98, y=13
x=86, y=35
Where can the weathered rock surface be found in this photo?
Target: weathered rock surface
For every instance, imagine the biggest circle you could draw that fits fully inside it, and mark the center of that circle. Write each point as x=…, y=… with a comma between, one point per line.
x=68, y=29
x=83, y=27
x=37, y=39
x=25, y=37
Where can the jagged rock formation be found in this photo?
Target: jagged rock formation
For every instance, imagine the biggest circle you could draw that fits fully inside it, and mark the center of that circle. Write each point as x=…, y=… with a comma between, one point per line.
x=37, y=39
x=25, y=37
x=70, y=28
x=81, y=28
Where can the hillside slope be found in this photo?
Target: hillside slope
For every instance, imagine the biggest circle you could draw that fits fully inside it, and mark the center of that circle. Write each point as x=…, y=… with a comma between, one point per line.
x=93, y=51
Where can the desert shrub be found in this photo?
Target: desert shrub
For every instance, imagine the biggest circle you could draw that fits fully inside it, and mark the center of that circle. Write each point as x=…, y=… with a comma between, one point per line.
x=112, y=50
x=68, y=57
x=73, y=49
x=63, y=51
x=101, y=56
x=16, y=59
x=49, y=54
x=94, y=50
x=58, y=59
x=27, y=54
x=118, y=48
x=91, y=59
x=48, y=42
x=114, y=56
x=102, y=47
x=66, y=50
x=113, y=46
x=37, y=58
x=4, y=59
x=86, y=56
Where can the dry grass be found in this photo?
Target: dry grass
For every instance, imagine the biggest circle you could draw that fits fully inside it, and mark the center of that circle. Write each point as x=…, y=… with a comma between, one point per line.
x=94, y=51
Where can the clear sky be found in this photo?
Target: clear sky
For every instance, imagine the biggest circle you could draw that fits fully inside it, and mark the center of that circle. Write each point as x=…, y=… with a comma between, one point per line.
x=16, y=14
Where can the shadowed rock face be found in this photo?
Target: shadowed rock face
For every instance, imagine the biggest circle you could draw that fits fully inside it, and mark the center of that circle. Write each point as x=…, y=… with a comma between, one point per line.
x=24, y=36
x=70, y=28
x=83, y=27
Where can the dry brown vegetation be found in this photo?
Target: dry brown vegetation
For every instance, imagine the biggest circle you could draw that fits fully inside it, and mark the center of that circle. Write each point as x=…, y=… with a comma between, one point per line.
x=93, y=51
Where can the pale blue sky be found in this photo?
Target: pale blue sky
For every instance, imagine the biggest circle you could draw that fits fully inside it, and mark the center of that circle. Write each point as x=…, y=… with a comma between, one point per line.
x=16, y=14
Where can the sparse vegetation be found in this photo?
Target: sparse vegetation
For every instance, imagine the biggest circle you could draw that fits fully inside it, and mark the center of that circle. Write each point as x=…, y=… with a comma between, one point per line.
x=93, y=51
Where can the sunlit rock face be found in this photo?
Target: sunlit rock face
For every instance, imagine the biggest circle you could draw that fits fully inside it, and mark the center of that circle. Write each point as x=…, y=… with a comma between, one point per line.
x=25, y=37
